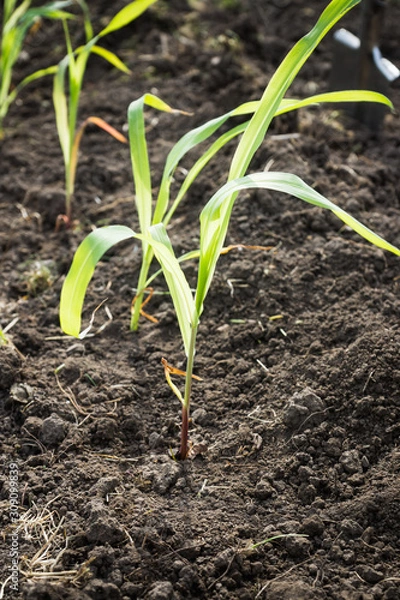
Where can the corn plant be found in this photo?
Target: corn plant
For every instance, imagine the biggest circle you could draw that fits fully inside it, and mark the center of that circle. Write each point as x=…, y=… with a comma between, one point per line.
x=66, y=97
x=215, y=216
x=17, y=22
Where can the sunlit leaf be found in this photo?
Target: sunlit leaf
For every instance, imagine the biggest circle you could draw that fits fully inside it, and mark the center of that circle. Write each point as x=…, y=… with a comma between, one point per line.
x=214, y=219
x=179, y=288
x=126, y=15
x=111, y=58
x=88, y=254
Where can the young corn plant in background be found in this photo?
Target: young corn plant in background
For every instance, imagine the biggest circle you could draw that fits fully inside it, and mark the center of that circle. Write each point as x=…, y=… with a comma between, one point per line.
x=215, y=216
x=68, y=81
x=17, y=22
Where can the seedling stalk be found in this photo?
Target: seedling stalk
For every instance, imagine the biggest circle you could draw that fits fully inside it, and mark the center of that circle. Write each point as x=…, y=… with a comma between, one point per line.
x=184, y=447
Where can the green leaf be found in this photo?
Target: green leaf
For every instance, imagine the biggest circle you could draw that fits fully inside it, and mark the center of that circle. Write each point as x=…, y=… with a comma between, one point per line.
x=50, y=11
x=15, y=16
x=280, y=82
x=28, y=79
x=182, y=147
x=61, y=109
x=140, y=162
x=8, y=8
x=126, y=15
x=178, y=286
x=203, y=132
x=139, y=155
x=86, y=19
x=88, y=254
x=111, y=58
x=214, y=219
x=334, y=97
x=200, y=164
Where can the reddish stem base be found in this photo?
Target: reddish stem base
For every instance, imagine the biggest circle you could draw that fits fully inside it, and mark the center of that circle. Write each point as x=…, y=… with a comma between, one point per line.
x=184, y=448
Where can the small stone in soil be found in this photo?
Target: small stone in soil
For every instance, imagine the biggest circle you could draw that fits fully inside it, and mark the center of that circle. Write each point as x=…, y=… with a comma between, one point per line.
x=351, y=462
x=297, y=547
x=305, y=408
x=312, y=526
x=53, y=430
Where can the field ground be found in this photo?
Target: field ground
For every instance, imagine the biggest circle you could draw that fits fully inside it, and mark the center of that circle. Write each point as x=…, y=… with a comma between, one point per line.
x=299, y=403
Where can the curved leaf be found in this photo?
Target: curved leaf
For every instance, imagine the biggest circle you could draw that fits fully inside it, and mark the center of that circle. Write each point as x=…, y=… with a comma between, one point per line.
x=280, y=82
x=111, y=58
x=126, y=15
x=178, y=286
x=88, y=254
x=28, y=79
x=139, y=155
x=214, y=219
x=336, y=97
x=203, y=132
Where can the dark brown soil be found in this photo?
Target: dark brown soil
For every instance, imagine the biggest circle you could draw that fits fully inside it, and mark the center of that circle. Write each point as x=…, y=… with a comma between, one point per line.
x=299, y=403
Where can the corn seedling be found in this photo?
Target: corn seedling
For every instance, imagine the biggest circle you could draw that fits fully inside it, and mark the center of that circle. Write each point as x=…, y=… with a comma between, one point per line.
x=215, y=216
x=17, y=22
x=66, y=97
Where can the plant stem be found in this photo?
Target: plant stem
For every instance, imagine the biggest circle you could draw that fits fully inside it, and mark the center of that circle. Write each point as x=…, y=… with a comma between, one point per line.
x=184, y=447
x=68, y=200
x=143, y=276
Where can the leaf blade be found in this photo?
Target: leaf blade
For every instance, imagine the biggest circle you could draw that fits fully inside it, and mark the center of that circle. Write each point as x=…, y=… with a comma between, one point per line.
x=112, y=58
x=214, y=219
x=127, y=14
x=88, y=254
x=280, y=82
x=178, y=285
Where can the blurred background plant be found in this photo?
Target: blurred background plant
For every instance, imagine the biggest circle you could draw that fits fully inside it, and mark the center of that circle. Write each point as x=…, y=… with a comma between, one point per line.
x=17, y=22
x=68, y=81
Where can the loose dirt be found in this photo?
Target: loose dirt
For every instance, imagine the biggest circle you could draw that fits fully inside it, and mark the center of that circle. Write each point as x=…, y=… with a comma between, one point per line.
x=299, y=403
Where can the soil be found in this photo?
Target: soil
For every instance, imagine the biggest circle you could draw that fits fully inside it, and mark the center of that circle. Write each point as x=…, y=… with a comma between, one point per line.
x=294, y=492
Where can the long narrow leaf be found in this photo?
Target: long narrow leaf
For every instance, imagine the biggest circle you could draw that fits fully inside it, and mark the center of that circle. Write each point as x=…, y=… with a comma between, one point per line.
x=139, y=155
x=286, y=105
x=185, y=144
x=88, y=254
x=86, y=19
x=215, y=216
x=178, y=286
x=126, y=15
x=9, y=6
x=335, y=97
x=50, y=12
x=28, y=79
x=280, y=82
x=17, y=14
x=61, y=109
x=182, y=147
x=111, y=58
x=200, y=164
